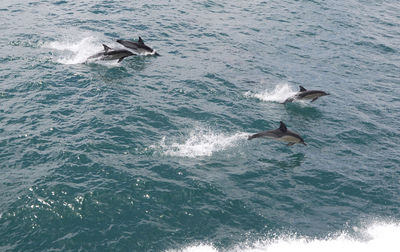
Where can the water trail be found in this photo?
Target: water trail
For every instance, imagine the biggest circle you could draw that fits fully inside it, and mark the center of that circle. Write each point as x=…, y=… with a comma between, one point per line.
x=280, y=93
x=376, y=237
x=200, y=142
x=75, y=52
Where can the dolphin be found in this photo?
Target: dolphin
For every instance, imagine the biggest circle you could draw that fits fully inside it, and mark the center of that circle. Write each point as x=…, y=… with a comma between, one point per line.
x=111, y=54
x=305, y=94
x=281, y=134
x=139, y=47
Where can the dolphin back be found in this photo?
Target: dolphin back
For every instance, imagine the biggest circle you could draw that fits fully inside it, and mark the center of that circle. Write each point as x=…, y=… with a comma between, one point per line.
x=138, y=46
x=128, y=44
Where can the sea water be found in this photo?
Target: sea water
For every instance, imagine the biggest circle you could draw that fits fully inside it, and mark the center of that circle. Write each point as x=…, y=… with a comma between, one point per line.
x=151, y=154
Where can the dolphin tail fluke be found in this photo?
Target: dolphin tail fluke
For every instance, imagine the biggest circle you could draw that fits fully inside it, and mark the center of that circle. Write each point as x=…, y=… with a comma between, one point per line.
x=254, y=136
x=291, y=99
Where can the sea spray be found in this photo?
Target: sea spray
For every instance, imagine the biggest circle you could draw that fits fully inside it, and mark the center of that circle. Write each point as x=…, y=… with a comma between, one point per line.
x=200, y=142
x=75, y=52
x=279, y=94
x=375, y=237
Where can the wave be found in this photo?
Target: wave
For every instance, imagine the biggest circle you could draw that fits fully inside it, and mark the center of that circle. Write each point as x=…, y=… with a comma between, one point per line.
x=376, y=237
x=200, y=142
x=76, y=52
x=280, y=93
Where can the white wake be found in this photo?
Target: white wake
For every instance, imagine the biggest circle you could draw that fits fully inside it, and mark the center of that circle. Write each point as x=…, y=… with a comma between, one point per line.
x=279, y=94
x=200, y=142
x=75, y=52
x=376, y=237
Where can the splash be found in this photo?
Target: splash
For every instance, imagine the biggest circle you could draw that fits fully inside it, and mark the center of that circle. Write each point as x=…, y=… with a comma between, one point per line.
x=280, y=93
x=196, y=248
x=75, y=52
x=200, y=142
x=376, y=237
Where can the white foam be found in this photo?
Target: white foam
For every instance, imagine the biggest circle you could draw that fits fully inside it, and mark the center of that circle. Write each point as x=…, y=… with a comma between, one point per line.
x=280, y=93
x=75, y=52
x=376, y=237
x=197, y=248
x=200, y=142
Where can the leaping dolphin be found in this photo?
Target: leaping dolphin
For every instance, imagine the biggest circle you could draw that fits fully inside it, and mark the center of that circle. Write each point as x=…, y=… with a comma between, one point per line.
x=305, y=94
x=281, y=134
x=139, y=47
x=111, y=54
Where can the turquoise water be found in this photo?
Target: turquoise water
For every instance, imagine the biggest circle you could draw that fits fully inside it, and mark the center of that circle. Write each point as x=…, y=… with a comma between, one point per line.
x=151, y=154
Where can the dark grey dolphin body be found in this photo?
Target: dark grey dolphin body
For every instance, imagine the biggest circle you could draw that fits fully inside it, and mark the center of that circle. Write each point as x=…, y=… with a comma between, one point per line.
x=305, y=94
x=281, y=134
x=138, y=47
x=111, y=54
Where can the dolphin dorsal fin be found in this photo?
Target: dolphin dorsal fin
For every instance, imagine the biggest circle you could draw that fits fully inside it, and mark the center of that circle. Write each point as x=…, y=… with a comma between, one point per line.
x=302, y=89
x=106, y=48
x=282, y=127
x=140, y=41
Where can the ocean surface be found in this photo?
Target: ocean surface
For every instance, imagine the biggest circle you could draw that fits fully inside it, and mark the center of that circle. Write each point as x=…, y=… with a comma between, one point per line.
x=151, y=154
